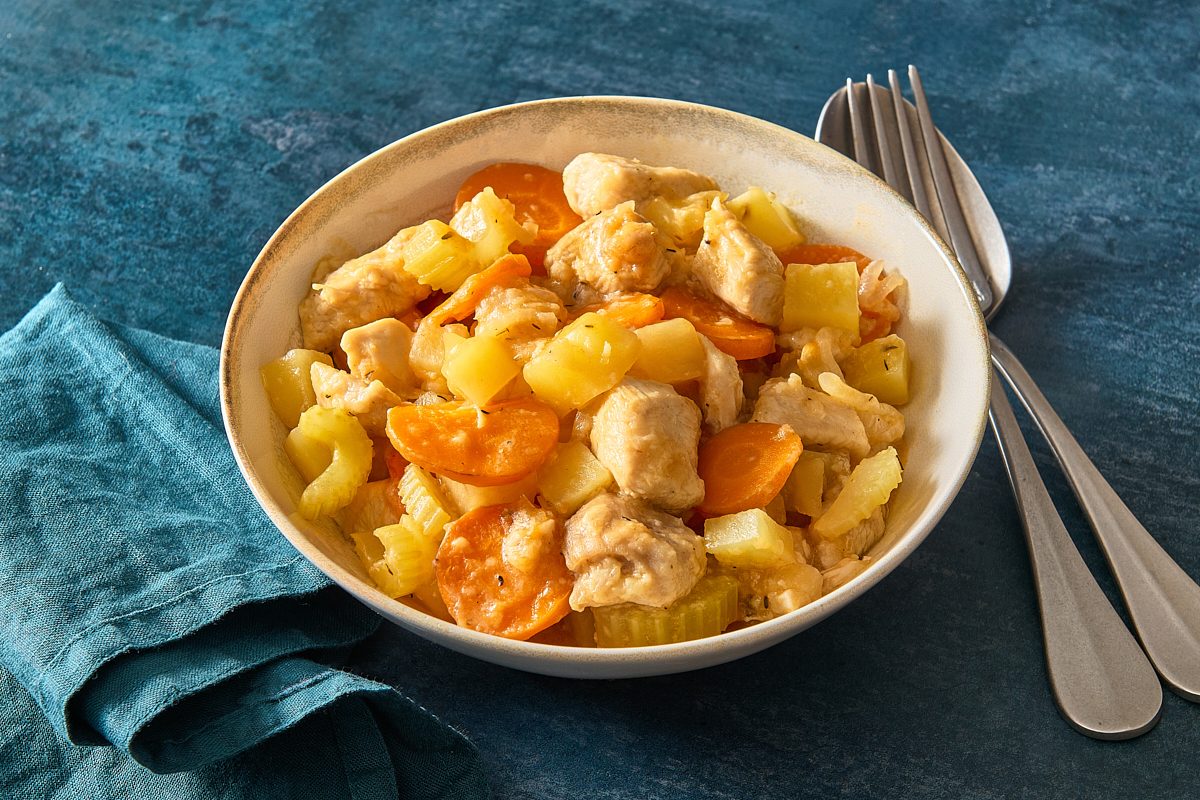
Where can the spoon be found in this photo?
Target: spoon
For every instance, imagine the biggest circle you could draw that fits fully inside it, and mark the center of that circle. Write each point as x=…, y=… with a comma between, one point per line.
x=1163, y=601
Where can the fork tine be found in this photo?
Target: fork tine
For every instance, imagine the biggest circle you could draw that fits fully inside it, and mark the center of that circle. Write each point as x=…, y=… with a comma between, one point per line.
x=916, y=183
x=858, y=120
x=889, y=158
x=947, y=195
x=920, y=177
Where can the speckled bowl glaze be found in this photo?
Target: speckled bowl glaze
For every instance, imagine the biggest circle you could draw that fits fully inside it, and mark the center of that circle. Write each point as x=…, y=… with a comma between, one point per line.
x=416, y=177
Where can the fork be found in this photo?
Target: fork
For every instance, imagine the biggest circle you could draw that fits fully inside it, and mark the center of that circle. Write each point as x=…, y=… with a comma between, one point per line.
x=1102, y=682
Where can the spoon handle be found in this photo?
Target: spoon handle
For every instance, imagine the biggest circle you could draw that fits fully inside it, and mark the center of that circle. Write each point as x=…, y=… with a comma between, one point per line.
x=1163, y=601
x=1102, y=682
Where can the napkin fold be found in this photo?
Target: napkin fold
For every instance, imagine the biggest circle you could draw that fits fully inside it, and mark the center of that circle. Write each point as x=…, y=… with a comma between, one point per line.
x=158, y=637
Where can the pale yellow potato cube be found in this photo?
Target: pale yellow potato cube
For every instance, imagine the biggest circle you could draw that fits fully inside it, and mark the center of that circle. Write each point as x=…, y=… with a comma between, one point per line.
x=671, y=352
x=880, y=367
x=583, y=360
x=478, y=367
x=571, y=477
x=820, y=295
x=288, y=385
x=805, y=486
x=748, y=539
x=466, y=497
x=766, y=218
x=868, y=487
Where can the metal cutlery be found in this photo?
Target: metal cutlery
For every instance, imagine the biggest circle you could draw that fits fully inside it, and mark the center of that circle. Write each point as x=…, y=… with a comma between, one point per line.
x=1102, y=682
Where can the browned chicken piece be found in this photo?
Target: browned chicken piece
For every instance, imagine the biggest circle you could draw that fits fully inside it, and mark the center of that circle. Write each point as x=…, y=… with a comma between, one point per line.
x=595, y=182
x=740, y=269
x=720, y=388
x=364, y=289
x=646, y=434
x=616, y=251
x=368, y=402
x=519, y=314
x=378, y=351
x=816, y=417
x=623, y=551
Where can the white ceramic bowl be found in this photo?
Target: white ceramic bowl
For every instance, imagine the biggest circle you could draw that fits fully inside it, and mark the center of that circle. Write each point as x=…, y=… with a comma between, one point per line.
x=416, y=177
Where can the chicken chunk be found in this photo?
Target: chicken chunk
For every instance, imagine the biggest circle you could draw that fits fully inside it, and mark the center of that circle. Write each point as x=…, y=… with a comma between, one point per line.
x=378, y=351
x=519, y=314
x=738, y=268
x=646, y=434
x=815, y=416
x=720, y=388
x=369, y=402
x=364, y=289
x=616, y=251
x=866, y=534
x=882, y=422
x=623, y=551
x=595, y=182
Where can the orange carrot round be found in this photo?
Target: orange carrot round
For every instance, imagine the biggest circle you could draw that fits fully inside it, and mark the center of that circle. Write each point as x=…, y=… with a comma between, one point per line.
x=745, y=466
x=732, y=333
x=633, y=309
x=482, y=447
x=487, y=592
x=461, y=304
x=822, y=254
x=537, y=194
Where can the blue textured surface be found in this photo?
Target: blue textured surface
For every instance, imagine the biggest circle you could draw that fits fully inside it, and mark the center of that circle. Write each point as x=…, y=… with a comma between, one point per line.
x=146, y=154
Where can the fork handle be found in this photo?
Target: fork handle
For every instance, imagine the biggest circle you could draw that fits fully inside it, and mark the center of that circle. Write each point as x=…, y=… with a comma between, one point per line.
x=1163, y=602
x=1103, y=684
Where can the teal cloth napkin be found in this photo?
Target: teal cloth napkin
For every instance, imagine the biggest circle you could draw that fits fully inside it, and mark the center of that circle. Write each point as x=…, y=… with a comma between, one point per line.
x=158, y=637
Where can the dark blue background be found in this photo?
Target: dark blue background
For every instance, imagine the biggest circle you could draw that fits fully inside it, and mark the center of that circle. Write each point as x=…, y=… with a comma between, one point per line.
x=148, y=151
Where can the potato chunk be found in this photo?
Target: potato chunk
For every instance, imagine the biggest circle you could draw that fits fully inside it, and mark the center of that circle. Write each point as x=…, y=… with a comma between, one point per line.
x=766, y=218
x=748, y=539
x=880, y=367
x=583, y=360
x=286, y=381
x=571, y=477
x=869, y=486
x=671, y=352
x=817, y=295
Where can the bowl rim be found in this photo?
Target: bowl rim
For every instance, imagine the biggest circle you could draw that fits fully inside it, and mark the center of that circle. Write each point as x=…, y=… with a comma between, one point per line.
x=674, y=657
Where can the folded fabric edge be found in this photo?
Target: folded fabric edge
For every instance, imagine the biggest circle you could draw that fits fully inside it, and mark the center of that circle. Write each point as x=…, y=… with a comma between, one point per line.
x=131, y=690
x=146, y=628
x=431, y=759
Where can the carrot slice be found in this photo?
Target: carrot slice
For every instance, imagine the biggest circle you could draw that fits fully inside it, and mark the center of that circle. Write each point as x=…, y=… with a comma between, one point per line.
x=536, y=192
x=822, y=254
x=745, y=466
x=732, y=333
x=500, y=570
x=461, y=304
x=633, y=310
x=481, y=447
